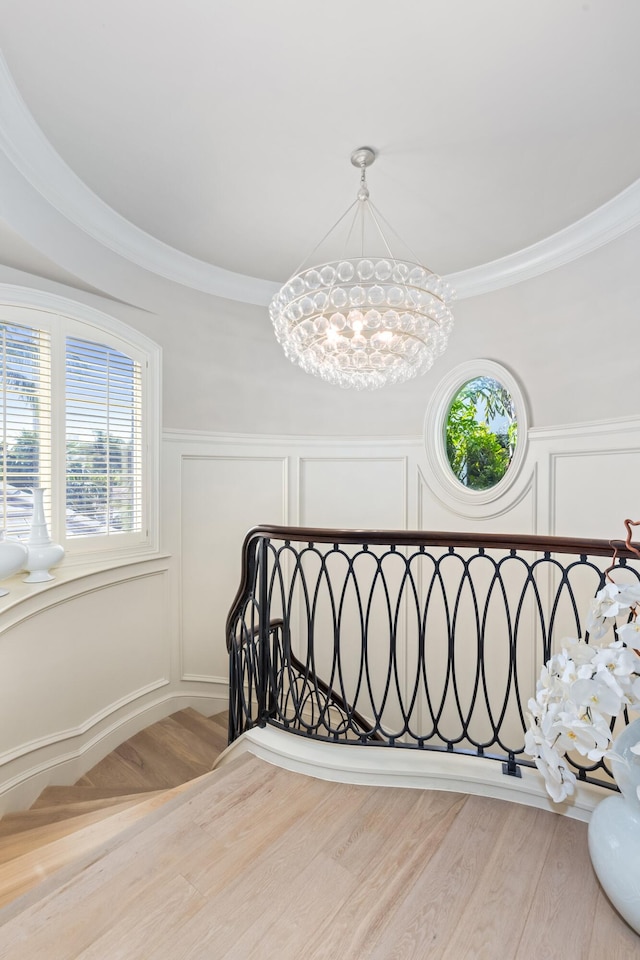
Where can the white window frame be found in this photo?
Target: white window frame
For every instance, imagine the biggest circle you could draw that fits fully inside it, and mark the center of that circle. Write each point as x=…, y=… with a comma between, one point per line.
x=63, y=317
x=464, y=501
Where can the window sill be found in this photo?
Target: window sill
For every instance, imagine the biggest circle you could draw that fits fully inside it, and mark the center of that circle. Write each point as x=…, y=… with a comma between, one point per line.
x=71, y=579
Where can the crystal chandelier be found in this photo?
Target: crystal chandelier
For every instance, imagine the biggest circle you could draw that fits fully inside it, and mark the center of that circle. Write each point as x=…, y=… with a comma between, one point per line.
x=368, y=320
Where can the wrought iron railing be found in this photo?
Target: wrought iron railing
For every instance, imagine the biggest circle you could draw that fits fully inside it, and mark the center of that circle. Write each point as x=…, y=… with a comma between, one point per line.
x=430, y=641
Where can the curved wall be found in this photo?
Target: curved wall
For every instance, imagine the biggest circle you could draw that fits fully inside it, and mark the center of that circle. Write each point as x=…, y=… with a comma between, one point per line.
x=568, y=335
x=248, y=438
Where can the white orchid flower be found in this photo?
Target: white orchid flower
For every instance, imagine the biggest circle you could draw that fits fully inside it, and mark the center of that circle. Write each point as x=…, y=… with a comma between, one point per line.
x=580, y=652
x=581, y=688
x=629, y=633
x=614, y=599
x=559, y=780
x=597, y=627
x=597, y=695
x=628, y=594
x=634, y=691
x=590, y=739
x=607, y=604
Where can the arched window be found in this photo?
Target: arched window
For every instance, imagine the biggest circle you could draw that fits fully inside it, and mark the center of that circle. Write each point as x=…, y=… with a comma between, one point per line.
x=79, y=417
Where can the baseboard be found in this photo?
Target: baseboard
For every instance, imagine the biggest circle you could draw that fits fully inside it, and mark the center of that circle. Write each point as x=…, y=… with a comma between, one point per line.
x=61, y=764
x=395, y=767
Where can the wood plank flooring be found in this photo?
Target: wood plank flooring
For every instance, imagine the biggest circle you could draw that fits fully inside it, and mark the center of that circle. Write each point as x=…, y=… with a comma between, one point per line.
x=258, y=862
x=143, y=773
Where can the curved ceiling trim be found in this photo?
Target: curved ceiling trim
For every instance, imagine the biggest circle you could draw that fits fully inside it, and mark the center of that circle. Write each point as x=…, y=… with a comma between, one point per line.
x=613, y=219
x=31, y=153
x=33, y=156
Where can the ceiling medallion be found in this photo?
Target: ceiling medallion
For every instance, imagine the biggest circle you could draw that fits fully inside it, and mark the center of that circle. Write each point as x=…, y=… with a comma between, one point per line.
x=363, y=321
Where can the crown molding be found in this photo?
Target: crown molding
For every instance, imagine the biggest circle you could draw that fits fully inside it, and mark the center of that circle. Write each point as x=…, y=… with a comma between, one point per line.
x=33, y=156
x=608, y=222
x=35, y=159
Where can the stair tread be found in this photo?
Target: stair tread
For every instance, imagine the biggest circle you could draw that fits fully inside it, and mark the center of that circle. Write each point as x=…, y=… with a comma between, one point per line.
x=54, y=795
x=164, y=755
x=27, y=871
x=15, y=845
x=13, y=823
x=141, y=774
x=210, y=729
x=26, y=841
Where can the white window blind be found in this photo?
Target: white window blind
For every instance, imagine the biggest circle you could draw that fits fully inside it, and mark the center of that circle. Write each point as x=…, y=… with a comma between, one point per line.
x=25, y=408
x=103, y=440
x=79, y=416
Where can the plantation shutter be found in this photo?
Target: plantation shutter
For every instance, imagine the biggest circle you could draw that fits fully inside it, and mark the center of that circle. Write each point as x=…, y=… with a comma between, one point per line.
x=103, y=437
x=25, y=409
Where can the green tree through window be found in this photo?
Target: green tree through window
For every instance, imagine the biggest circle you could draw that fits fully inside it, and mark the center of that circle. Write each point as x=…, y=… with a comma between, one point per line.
x=481, y=433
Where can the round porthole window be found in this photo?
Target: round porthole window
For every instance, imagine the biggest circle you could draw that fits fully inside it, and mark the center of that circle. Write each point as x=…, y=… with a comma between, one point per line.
x=481, y=433
x=475, y=434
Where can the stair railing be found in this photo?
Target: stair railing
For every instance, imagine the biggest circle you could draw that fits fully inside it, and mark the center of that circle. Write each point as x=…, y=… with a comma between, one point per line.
x=419, y=640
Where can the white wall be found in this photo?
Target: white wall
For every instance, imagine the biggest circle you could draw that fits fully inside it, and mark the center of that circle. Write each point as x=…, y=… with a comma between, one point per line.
x=221, y=486
x=568, y=335
x=250, y=439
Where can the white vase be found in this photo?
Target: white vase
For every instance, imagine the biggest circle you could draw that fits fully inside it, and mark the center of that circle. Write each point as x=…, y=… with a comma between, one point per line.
x=13, y=556
x=42, y=552
x=614, y=832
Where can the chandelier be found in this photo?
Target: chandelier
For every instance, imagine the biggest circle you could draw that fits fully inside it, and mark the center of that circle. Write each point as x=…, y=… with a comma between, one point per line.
x=367, y=320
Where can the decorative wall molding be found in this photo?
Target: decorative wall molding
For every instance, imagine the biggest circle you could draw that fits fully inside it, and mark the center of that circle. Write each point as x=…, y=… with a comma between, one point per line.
x=604, y=455
x=34, y=158
x=61, y=735
x=364, y=457
x=207, y=580
x=223, y=682
x=72, y=581
x=410, y=441
x=589, y=428
x=472, y=503
x=65, y=766
x=286, y=441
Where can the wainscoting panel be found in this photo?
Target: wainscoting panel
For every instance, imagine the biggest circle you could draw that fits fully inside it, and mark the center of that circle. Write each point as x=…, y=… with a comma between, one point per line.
x=594, y=491
x=353, y=492
x=222, y=497
x=522, y=517
x=87, y=662
x=68, y=668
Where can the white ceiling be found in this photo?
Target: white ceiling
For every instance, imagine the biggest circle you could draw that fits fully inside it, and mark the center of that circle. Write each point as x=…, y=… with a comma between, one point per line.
x=223, y=128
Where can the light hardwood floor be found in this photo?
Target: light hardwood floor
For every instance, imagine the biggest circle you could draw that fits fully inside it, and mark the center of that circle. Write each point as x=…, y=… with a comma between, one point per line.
x=140, y=775
x=257, y=862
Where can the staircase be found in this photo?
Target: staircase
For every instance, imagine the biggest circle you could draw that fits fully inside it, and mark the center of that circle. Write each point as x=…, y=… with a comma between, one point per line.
x=142, y=774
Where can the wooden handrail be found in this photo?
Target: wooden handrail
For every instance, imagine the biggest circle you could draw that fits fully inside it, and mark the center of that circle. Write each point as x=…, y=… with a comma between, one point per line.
x=534, y=542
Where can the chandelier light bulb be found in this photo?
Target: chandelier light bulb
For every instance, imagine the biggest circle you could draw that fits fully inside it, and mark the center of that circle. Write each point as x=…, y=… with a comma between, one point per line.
x=367, y=321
